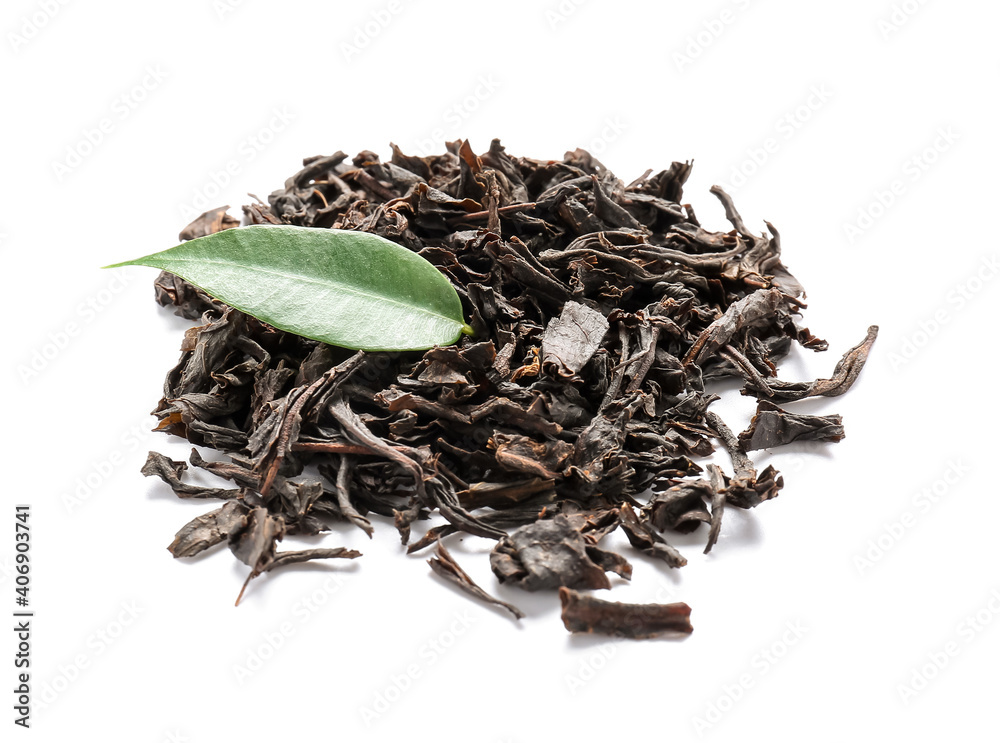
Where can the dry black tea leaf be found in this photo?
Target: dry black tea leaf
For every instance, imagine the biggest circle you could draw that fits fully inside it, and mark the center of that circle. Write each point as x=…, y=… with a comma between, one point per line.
x=170, y=471
x=645, y=538
x=444, y=565
x=552, y=553
x=771, y=426
x=583, y=613
x=570, y=340
x=209, y=529
x=844, y=376
x=717, y=481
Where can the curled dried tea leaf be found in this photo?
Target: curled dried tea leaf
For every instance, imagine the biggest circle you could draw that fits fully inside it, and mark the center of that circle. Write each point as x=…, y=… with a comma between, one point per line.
x=643, y=537
x=718, y=484
x=170, y=471
x=755, y=308
x=444, y=565
x=844, y=375
x=582, y=613
x=254, y=544
x=680, y=508
x=281, y=559
x=209, y=529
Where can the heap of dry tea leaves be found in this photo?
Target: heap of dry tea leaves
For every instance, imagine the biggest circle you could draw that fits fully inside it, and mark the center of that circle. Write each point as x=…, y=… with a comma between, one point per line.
x=600, y=311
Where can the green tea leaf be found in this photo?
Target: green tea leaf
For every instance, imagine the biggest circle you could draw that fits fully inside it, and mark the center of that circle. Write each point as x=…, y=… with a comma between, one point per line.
x=346, y=288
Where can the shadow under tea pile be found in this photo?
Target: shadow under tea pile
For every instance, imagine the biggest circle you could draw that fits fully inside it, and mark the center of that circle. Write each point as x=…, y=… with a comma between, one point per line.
x=600, y=311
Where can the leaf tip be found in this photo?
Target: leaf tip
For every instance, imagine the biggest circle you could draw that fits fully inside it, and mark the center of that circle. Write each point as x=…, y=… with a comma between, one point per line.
x=122, y=264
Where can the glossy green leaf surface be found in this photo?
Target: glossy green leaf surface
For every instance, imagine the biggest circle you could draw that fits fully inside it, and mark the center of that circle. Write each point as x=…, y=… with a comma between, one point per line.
x=347, y=288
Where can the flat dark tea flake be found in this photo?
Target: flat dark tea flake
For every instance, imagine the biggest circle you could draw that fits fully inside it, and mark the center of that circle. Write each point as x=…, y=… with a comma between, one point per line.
x=771, y=426
x=601, y=309
x=571, y=339
x=553, y=553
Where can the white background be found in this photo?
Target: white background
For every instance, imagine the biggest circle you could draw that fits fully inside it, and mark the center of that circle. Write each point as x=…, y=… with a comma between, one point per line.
x=861, y=604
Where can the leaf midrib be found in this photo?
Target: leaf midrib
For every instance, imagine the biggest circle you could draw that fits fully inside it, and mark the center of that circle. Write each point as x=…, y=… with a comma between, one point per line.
x=348, y=287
